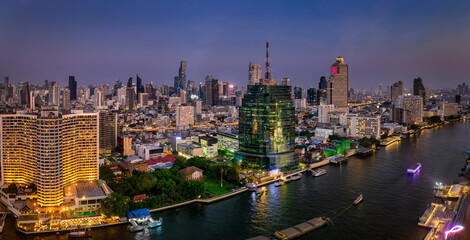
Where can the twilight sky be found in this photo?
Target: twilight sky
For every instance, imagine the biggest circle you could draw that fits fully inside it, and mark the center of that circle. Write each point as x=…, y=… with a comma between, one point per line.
x=102, y=41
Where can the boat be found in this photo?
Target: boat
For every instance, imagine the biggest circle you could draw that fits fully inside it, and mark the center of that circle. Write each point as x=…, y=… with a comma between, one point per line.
x=259, y=192
x=80, y=234
x=137, y=228
x=414, y=168
x=319, y=172
x=279, y=183
x=154, y=224
x=358, y=200
x=296, y=177
x=251, y=186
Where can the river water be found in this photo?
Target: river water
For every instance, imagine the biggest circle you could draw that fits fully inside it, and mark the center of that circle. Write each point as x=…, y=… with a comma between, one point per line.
x=393, y=201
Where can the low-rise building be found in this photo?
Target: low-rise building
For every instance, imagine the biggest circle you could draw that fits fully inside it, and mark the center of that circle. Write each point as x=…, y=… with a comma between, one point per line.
x=149, y=151
x=227, y=141
x=189, y=150
x=192, y=173
x=209, y=146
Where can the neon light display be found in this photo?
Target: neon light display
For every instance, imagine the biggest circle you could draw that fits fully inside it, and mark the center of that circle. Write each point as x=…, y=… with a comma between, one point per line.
x=454, y=229
x=334, y=70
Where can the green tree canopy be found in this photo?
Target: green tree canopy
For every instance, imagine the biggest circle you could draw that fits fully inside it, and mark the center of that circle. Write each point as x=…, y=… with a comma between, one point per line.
x=115, y=204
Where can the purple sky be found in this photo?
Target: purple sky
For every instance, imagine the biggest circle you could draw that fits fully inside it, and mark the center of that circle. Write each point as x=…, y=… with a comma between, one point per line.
x=382, y=41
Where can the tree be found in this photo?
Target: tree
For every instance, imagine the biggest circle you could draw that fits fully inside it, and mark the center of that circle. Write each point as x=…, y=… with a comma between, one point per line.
x=115, y=204
x=434, y=119
x=200, y=162
x=193, y=189
x=12, y=188
x=106, y=174
x=180, y=162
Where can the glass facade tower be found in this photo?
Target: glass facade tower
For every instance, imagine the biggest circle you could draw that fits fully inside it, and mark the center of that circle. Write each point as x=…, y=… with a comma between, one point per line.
x=267, y=127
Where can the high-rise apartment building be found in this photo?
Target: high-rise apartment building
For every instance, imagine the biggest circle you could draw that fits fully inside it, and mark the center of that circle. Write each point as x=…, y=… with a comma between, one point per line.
x=323, y=111
x=54, y=94
x=73, y=88
x=107, y=132
x=363, y=126
x=408, y=109
x=337, y=92
x=254, y=74
x=267, y=125
x=66, y=99
x=396, y=90
x=49, y=150
x=184, y=116
x=419, y=90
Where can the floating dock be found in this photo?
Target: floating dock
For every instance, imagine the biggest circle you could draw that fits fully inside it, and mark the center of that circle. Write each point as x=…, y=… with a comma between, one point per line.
x=338, y=160
x=296, y=231
x=364, y=151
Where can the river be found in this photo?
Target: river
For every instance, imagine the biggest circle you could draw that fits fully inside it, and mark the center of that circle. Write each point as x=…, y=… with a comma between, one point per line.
x=393, y=201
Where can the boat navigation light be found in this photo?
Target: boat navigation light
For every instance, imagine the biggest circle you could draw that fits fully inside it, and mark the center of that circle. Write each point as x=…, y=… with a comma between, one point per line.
x=454, y=229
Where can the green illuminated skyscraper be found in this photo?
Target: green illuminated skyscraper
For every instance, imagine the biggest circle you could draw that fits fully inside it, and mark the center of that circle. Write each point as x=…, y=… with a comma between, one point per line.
x=267, y=125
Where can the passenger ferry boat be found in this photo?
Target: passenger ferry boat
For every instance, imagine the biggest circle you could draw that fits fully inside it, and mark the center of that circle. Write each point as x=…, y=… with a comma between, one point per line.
x=259, y=192
x=358, y=200
x=80, y=234
x=414, y=168
x=154, y=224
x=318, y=173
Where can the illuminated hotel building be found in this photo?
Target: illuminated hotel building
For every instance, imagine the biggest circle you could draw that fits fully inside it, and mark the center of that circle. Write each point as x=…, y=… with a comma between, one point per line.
x=50, y=150
x=408, y=109
x=267, y=125
x=363, y=126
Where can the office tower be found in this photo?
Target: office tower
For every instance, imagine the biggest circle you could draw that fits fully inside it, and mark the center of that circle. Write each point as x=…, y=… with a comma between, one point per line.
x=254, y=74
x=337, y=92
x=408, y=109
x=139, y=87
x=312, y=96
x=182, y=76
x=150, y=90
x=225, y=89
x=32, y=101
x=107, y=132
x=190, y=89
x=322, y=91
x=129, y=82
x=130, y=98
x=56, y=151
x=73, y=88
x=285, y=82
x=462, y=89
x=211, y=91
x=165, y=90
x=267, y=125
x=98, y=99
x=297, y=92
x=143, y=99
x=66, y=99
x=24, y=93
x=184, y=116
x=7, y=80
x=117, y=86
x=396, y=90
x=419, y=90
x=53, y=93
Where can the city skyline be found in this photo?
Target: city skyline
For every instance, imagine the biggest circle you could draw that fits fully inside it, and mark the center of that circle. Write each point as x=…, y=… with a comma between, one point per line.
x=382, y=42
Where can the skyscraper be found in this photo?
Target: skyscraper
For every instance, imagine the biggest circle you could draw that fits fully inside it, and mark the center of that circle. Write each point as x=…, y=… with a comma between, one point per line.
x=73, y=88
x=312, y=96
x=107, y=132
x=182, y=77
x=396, y=90
x=419, y=90
x=285, y=81
x=322, y=91
x=337, y=92
x=139, y=87
x=56, y=151
x=408, y=109
x=130, y=98
x=254, y=74
x=267, y=125
x=297, y=92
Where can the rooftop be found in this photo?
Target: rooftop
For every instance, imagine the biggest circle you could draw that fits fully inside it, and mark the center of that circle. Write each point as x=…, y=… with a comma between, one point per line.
x=89, y=189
